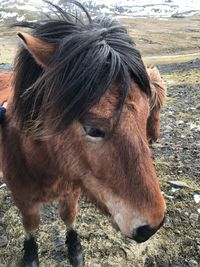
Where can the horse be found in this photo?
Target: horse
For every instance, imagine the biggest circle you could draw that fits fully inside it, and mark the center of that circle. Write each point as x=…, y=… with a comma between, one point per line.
x=156, y=100
x=76, y=123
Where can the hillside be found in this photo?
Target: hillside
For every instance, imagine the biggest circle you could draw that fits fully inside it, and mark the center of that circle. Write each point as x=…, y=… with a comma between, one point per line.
x=11, y=10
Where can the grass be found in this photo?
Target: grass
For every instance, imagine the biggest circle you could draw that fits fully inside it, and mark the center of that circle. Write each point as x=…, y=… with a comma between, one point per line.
x=156, y=37
x=185, y=77
x=153, y=37
x=160, y=60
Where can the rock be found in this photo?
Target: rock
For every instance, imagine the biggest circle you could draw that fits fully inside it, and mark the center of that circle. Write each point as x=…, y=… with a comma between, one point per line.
x=174, y=189
x=2, y=185
x=180, y=122
x=177, y=157
x=193, y=263
x=58, y=243
x=168, y=196
x=3, y=240
x=179, y=184
x=95, y=265
x=164, y=149
x=194, y=217
x=179, y=171
x=168, y=128
x=197, y=198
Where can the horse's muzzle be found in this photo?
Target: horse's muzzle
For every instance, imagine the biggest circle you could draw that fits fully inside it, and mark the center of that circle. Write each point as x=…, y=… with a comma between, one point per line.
x=143, y=233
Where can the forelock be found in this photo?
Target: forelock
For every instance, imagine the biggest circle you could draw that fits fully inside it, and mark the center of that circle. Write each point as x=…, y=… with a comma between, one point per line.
x=90, y=55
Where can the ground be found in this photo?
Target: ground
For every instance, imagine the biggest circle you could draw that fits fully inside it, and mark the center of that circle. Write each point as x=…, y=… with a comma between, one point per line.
x=176, y=157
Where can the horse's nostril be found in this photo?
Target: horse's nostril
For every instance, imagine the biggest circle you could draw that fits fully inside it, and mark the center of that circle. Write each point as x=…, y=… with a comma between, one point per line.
x=143, y=233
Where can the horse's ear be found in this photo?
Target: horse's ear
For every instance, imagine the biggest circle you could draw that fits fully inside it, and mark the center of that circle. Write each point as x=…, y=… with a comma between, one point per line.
x=41, y=51
x=158, y=88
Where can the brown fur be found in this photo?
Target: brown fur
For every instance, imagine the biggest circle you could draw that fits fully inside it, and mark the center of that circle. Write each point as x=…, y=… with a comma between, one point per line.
x=40, y=50
x=38, y=171
x=5, y=86
x=157, y=100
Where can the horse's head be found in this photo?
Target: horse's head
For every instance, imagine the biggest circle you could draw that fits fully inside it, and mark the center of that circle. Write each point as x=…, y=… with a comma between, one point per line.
x=120, y=175
x=93, y=92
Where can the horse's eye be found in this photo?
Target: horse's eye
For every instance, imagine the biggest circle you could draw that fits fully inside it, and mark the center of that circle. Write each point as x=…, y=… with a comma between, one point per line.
x=94, y=132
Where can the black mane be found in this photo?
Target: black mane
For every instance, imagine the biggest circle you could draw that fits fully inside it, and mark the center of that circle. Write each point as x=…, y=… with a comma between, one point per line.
x=91, y=54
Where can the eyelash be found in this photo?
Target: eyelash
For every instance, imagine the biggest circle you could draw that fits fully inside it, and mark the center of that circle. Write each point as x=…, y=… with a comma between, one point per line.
x=94, y=132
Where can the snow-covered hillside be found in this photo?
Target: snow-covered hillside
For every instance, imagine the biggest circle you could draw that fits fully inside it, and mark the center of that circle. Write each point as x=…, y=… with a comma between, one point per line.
x=28, y=9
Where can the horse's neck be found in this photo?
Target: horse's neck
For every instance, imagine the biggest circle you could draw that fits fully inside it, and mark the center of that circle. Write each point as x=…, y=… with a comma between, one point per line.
x=25, y=153
x=18, y=149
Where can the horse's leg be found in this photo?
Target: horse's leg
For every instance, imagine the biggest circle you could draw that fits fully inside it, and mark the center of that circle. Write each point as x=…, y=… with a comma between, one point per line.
x=31, y=218
x=68, y=209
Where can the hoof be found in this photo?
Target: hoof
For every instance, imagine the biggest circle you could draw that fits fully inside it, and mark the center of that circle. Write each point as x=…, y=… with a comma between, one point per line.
x=34, y=263
x=30, y=257
x=75, y=252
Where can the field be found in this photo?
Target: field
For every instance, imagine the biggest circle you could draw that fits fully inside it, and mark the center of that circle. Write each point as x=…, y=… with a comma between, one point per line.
x=178, y=39
x=174, y=46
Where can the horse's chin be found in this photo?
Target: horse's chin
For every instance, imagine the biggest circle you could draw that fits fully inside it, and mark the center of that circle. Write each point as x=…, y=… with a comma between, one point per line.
x=99, y=205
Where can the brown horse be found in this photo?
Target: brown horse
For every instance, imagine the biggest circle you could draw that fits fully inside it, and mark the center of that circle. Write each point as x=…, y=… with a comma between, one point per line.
x=77, y=122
